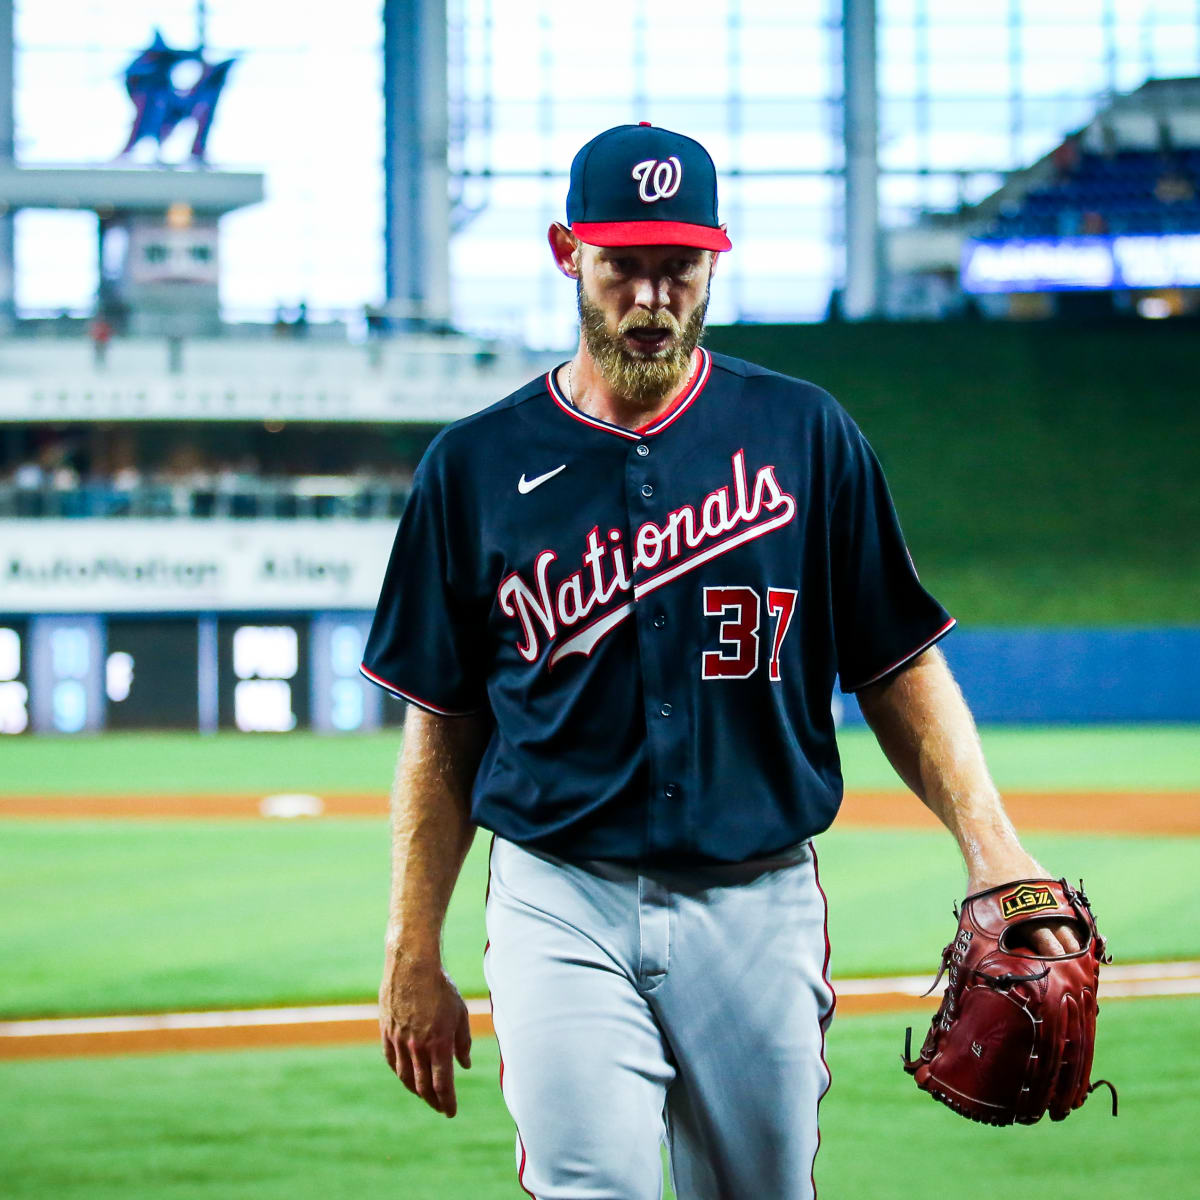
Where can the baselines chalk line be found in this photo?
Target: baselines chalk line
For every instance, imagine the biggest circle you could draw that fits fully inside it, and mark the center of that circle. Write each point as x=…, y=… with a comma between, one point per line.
x=324, y=1024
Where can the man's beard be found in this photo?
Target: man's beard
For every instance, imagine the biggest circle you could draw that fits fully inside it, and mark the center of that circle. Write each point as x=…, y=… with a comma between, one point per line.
x=641, y=376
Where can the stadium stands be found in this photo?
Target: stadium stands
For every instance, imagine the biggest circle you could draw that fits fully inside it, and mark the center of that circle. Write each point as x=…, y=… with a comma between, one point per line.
x=1106, y=223
x=1125, y=192
x=203, y=498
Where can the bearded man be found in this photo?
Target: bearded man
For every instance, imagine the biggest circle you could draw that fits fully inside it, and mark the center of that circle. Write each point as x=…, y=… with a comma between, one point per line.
x=617, y=603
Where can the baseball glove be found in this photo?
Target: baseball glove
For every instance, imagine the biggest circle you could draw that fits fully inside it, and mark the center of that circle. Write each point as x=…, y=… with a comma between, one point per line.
x=1014, y=1035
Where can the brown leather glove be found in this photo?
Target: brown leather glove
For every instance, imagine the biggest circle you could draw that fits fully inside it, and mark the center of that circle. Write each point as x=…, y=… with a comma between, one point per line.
x=1014, y=1035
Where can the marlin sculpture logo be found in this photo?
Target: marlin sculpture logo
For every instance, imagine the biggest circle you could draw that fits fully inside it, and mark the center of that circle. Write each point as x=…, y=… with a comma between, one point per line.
x=161, y=105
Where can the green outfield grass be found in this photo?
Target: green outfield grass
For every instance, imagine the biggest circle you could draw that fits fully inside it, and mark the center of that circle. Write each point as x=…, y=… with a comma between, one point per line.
x=114, y=916
x=119, y=915
x=1122, y=757
x=332, y=1123
x=106, y=916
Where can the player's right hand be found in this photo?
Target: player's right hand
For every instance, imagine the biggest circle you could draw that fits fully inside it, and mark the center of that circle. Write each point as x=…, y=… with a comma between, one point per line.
x=425, y=1027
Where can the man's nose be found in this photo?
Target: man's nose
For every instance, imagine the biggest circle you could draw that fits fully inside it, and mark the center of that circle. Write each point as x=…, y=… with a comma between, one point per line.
x=651, y=293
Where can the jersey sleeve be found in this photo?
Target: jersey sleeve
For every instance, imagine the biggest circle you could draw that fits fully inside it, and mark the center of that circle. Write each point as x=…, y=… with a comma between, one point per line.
x=882, y=615
x=428, y=640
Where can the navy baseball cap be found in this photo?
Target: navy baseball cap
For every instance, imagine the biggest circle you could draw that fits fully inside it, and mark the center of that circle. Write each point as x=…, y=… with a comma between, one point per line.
x=637, y=185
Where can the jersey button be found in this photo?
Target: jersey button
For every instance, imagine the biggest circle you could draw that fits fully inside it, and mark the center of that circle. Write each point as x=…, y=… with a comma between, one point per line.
x=665, y=710
x=647, y=490
x=671, y=790
x=642, y=449
x=660, y=619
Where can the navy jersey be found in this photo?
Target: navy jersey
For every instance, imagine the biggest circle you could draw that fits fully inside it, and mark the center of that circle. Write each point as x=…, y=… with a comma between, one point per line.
x=654, y=617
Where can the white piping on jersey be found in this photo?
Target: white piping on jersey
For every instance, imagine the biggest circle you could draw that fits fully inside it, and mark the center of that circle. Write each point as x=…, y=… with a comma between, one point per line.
x=945, y=629
x=427, y=705
x=668, y=418
x=689, y=537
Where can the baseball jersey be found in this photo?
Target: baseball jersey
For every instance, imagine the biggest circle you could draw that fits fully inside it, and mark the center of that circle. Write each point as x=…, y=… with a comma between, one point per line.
x=653, y=617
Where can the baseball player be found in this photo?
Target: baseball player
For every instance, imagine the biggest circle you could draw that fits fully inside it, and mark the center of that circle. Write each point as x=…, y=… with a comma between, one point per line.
x=617, y=603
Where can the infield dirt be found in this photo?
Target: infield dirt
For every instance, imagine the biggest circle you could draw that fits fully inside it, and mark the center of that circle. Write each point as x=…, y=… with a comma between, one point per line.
x=1090, y=811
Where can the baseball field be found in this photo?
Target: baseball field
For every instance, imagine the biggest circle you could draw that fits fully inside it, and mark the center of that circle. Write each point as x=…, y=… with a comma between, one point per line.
x=140, y=876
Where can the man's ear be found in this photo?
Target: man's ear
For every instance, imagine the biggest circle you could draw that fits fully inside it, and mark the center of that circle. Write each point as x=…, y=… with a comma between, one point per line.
x=564, y=245
x=716, y=255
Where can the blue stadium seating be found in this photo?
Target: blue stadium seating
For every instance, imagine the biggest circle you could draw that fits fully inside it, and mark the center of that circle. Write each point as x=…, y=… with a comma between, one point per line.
x=1129, y=192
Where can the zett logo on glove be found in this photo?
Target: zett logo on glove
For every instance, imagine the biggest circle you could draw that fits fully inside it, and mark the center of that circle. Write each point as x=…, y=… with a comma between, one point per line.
x=1026, y=899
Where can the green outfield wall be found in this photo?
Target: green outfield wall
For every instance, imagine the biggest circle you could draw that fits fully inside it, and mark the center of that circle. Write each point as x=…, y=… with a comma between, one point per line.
x=1046, y=474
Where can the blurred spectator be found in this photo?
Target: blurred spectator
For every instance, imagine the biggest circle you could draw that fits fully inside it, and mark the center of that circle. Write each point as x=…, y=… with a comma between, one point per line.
x=1066, y=158
x=375, y=319
x=65, y=478
x=29, y=475
x=376, y=324
x=184, y=462
x=296, y=327
x=1174, y=187
x=230, y=476
x=101, y=334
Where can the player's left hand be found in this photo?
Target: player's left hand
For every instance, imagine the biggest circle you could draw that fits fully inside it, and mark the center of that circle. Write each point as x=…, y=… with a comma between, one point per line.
x=1013, y=1037
x=1048, y=938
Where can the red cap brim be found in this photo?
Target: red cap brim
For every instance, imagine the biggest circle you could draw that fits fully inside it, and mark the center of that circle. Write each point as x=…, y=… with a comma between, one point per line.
x=651, y=233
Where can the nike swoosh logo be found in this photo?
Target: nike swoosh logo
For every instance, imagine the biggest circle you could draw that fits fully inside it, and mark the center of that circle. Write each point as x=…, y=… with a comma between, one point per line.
x=524, y=486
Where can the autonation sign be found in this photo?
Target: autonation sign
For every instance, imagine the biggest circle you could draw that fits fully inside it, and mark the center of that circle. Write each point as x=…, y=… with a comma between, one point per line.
x=1081, y=263
x=134, y=565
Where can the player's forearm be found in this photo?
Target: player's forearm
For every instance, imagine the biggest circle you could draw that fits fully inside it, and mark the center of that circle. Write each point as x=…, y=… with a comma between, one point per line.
x=924, y=727
x=431, y=827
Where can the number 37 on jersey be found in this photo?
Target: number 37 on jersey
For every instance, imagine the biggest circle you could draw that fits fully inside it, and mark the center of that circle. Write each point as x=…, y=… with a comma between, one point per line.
x=740, y=610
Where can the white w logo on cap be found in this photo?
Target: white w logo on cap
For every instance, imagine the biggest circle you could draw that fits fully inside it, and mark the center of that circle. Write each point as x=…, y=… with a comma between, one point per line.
x=658, y=180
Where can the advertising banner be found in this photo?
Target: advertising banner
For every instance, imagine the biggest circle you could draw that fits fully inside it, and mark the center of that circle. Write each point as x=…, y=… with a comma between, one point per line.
x=1081, y=263
x=68, y=566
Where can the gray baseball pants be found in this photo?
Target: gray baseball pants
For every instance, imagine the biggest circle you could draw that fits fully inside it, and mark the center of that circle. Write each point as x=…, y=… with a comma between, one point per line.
x=632, y=1005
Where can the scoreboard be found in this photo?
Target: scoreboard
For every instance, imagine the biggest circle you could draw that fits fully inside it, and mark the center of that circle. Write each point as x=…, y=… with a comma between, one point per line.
x=261, y=672
x=14, y=681
x=266, y=676
x=147, y=666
